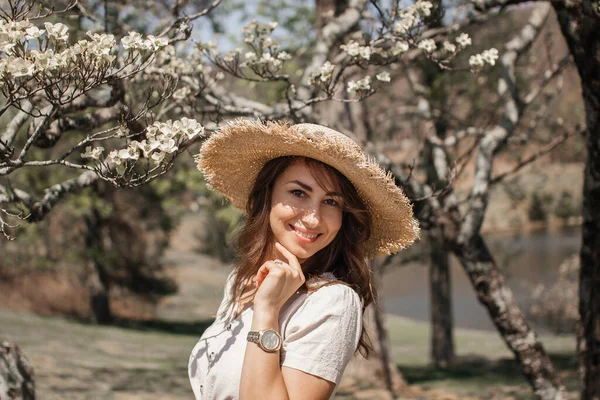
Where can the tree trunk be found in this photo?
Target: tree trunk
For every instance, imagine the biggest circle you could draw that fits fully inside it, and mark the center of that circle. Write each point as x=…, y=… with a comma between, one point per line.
x=16, y=374
x=98, y=282
x=327, y=9
x=497, y=298
x=379, y=371
x=580, y=25
x=442, y=321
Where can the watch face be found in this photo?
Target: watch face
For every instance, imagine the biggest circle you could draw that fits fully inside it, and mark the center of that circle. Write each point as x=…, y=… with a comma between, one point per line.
x=270, y=340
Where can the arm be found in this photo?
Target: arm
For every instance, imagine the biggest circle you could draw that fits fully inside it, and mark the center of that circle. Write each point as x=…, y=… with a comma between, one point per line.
x=262, y=375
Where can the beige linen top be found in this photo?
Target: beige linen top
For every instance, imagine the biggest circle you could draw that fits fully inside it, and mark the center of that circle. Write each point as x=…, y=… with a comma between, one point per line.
x=320, y=332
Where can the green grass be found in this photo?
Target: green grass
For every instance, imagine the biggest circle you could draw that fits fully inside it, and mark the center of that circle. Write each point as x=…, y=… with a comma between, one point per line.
x=485, y=368
x=139, y=360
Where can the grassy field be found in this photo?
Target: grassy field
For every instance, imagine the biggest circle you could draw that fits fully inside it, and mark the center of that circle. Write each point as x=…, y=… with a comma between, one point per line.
x=136, y=360
x=148, y=360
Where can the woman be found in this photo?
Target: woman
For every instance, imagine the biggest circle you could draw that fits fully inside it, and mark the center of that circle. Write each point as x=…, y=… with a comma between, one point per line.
x=316, y=208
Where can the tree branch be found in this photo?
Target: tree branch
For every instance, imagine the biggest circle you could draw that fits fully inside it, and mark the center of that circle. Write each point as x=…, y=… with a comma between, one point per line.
x=39, y=209
x=497, y=135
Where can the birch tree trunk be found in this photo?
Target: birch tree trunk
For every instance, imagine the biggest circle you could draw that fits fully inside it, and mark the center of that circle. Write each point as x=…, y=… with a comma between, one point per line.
x=580, y=25
x=497, y=298
x=16, y=374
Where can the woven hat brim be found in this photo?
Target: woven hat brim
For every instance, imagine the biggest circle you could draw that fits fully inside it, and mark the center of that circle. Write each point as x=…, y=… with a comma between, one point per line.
x=232, y=158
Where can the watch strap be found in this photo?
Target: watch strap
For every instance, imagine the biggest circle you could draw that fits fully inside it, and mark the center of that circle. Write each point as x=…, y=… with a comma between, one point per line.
x=253, y=336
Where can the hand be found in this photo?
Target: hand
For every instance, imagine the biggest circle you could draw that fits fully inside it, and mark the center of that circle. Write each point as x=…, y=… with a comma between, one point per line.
x=277, y=281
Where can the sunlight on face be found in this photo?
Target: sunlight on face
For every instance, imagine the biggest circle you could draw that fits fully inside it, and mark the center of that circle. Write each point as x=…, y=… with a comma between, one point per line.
x=304, y=217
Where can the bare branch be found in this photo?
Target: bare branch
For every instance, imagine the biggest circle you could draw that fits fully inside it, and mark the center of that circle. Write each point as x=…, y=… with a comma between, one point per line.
x=181, y=21
x=528, y=160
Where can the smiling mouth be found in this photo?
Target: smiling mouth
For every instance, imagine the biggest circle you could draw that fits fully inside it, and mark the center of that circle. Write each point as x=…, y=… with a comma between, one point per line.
x=305, y=235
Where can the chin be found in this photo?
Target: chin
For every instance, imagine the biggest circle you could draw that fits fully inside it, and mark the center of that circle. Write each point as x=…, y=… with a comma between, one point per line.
x=300, y=253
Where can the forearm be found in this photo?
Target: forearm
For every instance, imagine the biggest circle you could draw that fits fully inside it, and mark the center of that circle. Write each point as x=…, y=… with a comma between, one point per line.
x=261, y=372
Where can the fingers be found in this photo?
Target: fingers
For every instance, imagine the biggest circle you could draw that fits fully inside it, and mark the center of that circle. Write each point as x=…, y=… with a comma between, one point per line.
x=277, y=268
x=292, y=259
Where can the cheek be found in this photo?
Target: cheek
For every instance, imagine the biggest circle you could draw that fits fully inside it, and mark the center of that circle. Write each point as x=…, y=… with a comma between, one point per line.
x=281, y=212
x=334, y=222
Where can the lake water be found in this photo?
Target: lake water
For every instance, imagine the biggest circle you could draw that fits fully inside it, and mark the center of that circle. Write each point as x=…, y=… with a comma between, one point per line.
x=526, y=259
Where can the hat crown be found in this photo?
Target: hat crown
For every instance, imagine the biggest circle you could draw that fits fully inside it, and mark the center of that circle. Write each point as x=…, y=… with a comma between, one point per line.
x=332, y=139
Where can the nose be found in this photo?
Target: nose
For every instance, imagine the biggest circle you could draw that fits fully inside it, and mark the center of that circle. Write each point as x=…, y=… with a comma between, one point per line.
x=312, y=217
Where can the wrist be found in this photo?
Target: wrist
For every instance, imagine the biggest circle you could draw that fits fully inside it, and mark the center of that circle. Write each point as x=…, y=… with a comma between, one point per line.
x=265, y=309
x=265, y=317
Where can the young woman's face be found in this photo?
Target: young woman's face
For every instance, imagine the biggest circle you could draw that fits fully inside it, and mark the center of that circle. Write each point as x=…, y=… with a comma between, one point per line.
x=304, y=217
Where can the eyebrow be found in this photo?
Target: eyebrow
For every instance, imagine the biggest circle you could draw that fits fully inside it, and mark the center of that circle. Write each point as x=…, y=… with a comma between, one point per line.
x=309, y=189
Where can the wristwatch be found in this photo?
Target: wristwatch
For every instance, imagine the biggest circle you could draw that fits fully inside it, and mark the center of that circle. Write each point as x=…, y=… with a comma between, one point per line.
x=267, y=339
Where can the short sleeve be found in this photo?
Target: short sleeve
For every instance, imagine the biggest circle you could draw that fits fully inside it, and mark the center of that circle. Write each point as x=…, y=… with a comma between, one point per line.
x=322, y=335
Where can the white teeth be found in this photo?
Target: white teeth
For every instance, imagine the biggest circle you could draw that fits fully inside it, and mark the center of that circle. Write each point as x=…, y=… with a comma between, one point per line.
x=305, y=234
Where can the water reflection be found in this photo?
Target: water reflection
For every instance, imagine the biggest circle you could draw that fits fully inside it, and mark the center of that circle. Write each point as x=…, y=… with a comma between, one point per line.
x=526, y=259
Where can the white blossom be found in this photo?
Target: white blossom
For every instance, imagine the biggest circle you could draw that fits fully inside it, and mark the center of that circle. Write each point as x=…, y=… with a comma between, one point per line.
x=408, y=20
x=463, y=40
x=490, y=56
x=362, y=84
x=267, y=42
x=158, y=156
x=92, y=153
x=424, y=7
x=283, y=56
x=250, y=56
x=148, y=147
x=153, y=43
x=130, y=153
x=399, y=48
x=383, y=76
x=33, y=32
x=352, y=48
x=19, y=67
x=189, y=127
x=168, y=145
x=115, y=157
x=323, y=73
x=219, y=76
x=181, y=93
x=427, y=45
x=132, y=41
x=57, y=31
x=476, y=61
x=46, y=60
x=365, y=52
x=166, y=129
x=229, y=57
x=449, y=47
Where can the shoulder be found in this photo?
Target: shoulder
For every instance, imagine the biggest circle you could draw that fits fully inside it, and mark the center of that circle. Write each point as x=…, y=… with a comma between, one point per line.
x=335, y=295
x=334, y=301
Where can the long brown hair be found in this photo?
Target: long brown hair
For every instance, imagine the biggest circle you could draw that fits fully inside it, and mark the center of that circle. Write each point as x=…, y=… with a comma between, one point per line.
x=342, y=256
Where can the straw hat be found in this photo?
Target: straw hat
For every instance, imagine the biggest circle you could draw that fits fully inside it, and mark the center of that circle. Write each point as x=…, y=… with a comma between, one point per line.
x=232, y=158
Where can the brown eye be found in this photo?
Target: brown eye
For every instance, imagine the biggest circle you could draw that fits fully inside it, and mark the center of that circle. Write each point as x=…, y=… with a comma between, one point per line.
x=297, y=193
